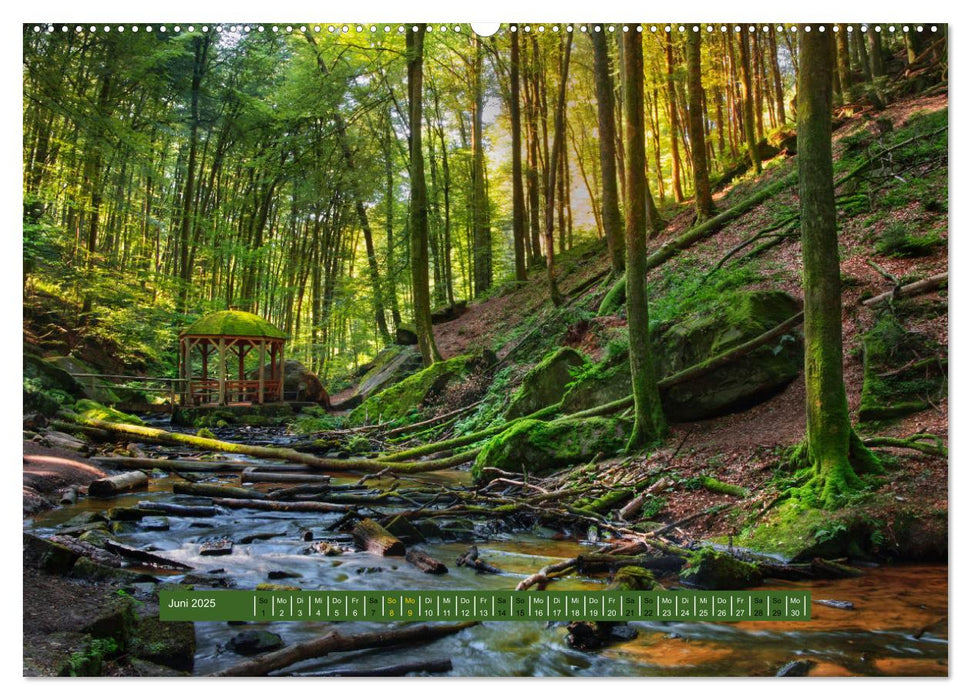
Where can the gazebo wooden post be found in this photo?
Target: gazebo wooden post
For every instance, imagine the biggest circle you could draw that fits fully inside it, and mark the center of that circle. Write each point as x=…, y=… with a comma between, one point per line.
x=222, y=372
x=282, y=372
x=262, y=361
x=206, y=350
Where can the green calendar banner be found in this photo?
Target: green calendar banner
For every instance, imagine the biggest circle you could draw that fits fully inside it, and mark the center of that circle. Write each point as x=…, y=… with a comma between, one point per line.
x=429, y=606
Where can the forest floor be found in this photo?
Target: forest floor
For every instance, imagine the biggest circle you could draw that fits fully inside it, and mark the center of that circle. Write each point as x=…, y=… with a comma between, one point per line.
x=743, y=448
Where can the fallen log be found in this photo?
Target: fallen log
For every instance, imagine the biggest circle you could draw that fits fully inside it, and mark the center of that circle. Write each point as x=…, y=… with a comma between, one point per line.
x=425, y=563
x=433, y=666
x=335, y=642
x=195, y=465
x=471, y=559
x=111, y=486
x=156, y=435
x=909, y=290
x=635, y=506
x=282, y=506
x=216, y=491
x=69, y=496
x=83, y=549
x=431, y=421
x=178, y=510
x=371, y=537
x=255, y=477
x=143, y=557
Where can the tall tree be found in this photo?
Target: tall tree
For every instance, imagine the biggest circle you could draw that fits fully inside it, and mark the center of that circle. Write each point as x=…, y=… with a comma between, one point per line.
x=610, y=205
x=481, y=228
x=649, y=422
x=832, y=447
x=518, y=201
x=843, y=62
x=552, y=171
x=696, y=128
x=748, y=109
x=672, y=120
x=414, y=44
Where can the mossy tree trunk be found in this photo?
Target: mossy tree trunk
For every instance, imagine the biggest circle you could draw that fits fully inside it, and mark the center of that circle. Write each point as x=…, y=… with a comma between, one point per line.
x=612, y=222
x=830, y=439
x=419, y=204
x=843, y=63
x=673, y=120
x=696, y=129
x=649, y=423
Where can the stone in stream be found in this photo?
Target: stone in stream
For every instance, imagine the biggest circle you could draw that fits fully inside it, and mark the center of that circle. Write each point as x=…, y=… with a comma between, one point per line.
x=278, y=574
x=838, y=604
x=250, y=539
x=252, y=642
x=216, y=546
x=325, y=548
x=795, y=669
x=155, y=523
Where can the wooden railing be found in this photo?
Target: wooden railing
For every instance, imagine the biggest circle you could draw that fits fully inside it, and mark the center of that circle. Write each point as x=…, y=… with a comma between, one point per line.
x=194, y=392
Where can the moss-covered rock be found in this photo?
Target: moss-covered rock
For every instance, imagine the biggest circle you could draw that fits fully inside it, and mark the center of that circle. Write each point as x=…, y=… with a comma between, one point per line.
x=741, y=383
x=692, y=340
x=171, y=644
x=533, y=445
x=92, y=410
x=47, y=387
x=800, y=533
x=90, y=389
x=545, y=384
x=393, y=364
x=633, y=578
x=407, y=396
x=903, y=371
x=603, y=383
x=719, y=571
x=405, y=334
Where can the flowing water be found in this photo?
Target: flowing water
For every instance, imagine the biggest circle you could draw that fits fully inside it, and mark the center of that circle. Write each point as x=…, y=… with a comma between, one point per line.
x=898, y=625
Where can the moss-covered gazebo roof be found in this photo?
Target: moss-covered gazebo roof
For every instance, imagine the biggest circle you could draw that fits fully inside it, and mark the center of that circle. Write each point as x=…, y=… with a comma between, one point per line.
x=237, y=324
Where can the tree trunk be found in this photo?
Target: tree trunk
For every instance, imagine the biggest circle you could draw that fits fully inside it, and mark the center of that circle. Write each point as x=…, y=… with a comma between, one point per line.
x=649, y=423
x=830, y=440
x=843, y=63
x=672, y=124
x=371, y=537
x=747, y=103
x=518, y=202
x=610, y=206
x=481, y=230
x=419, y=203
x=552, y=171
x=696, y=127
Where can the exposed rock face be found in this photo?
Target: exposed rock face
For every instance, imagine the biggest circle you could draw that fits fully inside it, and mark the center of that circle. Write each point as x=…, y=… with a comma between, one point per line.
x=299, y=383
x=545, y=384
x=740, y=384
x=391, y=365
x=404, y=397
x=534, y=445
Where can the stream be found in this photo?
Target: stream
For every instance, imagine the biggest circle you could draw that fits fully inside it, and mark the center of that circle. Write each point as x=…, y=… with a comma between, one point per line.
x=877, y=637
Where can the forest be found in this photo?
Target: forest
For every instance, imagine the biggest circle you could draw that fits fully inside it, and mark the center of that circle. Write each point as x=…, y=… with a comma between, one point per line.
x=621, y=307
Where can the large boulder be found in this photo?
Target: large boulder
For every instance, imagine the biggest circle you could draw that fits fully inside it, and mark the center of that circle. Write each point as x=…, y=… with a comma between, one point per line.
x=420, y=389
x=534, y=445
x=47, y=387
x=545, y=384
x=299, y=383
x=388, y=367
x=741, y=383
x=91, y=388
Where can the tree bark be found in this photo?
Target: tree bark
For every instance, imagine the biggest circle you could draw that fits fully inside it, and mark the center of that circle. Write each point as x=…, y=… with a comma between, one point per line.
x=696, y=127
x=649, y=422
x=419, y=203
x=371, y=537
x=829, y=436
x=552, y=171
x=673, y=122
x=610, y=205
x=748, y=108
x=518, y=201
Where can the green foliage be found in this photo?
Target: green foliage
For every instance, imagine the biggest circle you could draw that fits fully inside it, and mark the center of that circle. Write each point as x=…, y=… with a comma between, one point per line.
x=92, y=410
x=897, y=241
x=89, y=662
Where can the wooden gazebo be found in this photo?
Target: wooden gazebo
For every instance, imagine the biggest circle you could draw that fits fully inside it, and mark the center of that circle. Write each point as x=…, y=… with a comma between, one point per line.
x=230, y=336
